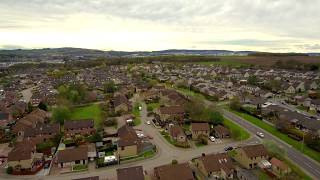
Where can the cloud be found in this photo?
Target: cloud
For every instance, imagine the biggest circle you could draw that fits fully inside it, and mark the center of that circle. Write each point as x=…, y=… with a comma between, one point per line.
x=262, y=23
x=11, y=47
x=309, y=47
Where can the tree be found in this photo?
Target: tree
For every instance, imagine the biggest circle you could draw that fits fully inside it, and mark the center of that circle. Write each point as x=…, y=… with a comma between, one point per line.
x=275, y=150
x=203, y=139
x=9, y=170
x=215, y=117
x=235, y=104
x=60, y=114
x=253, y=80
x=43, y=106
x=29, y=107
x=174, y=161
x=110, y=87
x=312, y=140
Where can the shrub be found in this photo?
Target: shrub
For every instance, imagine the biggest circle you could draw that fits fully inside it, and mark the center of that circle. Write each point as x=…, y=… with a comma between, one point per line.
x=174, y=161
x=9, y=170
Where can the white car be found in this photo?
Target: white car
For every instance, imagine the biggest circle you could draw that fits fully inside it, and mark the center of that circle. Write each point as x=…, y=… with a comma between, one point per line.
x=148, y=122
x=212, y=139
x=260, y=134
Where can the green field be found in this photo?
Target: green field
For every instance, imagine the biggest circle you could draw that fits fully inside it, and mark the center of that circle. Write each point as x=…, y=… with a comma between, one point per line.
x=243, y=134
x=88, y=112
x=225, y=63
x=296, y=144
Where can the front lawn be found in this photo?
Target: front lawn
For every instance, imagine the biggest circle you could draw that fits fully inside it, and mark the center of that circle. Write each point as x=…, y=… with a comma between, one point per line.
x=88, y=112
x=136, y=113
x=79, y=167
x=152, y=106
x=296, y=144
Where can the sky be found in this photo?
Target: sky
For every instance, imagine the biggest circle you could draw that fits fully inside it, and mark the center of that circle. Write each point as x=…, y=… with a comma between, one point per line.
x=138, y=25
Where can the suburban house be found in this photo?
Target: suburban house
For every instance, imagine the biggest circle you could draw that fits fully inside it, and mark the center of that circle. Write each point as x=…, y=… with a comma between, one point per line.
x=72, y=156
x=177, y=133
x=129, y=143
x=121, y=103
x=218, y=166
x=171, y=113
x=24, y=157
x=37, y=116
x=174, y=171
x=249, y=156
x=79, y=127
x=221, y=132
x=279, y=168
x=5, y=119
x=132, y=173
x=200, y=129
x=46, y=131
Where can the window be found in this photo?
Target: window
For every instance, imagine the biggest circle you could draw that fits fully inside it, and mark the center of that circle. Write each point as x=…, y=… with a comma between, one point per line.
x=77, y=161
x=122, y=148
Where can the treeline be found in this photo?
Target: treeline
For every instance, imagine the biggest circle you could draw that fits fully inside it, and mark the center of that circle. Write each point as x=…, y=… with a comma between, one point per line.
x=296, y=65
x=135, y=60
x=265, y=54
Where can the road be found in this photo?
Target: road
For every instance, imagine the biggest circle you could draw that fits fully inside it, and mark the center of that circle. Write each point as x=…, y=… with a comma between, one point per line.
x=310, y=166
x=293, y=108
x=166, y=153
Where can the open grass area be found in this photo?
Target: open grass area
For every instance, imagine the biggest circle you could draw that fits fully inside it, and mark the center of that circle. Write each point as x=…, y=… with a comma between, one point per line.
x=88, y=112
x=152, y=106
x=79, y=167
x=296, y=144
x=242, y=133
x=136, y=113
x=306, y=110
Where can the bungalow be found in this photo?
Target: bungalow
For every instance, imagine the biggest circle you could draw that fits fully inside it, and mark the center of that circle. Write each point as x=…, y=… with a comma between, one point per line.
x=5, y=119
x=221, y=132
x=174, y=171
x=81, y=127
x=129, y=143
x=249, y=156
x=24, y=157
x=219, y=166
x=171, y=113
x=177, y=133
x=200, y=129
x=45, y=131
x=37, y=116
x=70, y=157
x=121, y=103
x=134, y=173
x=279, y=168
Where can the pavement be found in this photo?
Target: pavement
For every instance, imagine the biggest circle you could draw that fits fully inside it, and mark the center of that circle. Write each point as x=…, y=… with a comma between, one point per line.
x=309, y=165
x=166, y=153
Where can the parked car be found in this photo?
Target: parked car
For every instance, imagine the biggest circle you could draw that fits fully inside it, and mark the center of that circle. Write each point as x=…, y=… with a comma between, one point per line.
x=228, y=148
x=260, y=134
x=212, y=139
x=148, y=122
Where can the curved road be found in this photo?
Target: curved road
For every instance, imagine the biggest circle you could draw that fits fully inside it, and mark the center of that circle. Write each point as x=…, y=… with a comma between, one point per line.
x=166, y=153
x=309, y=165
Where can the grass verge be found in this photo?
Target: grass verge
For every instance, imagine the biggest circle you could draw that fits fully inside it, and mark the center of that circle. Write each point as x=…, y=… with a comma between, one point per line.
x=296, y=144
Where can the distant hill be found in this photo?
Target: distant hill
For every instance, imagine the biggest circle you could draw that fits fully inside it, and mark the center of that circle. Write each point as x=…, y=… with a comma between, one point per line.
x=71, y=54
x=65, y=54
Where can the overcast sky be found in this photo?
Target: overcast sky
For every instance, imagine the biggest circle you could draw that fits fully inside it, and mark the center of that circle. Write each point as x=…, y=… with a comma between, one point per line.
x=263, y=25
